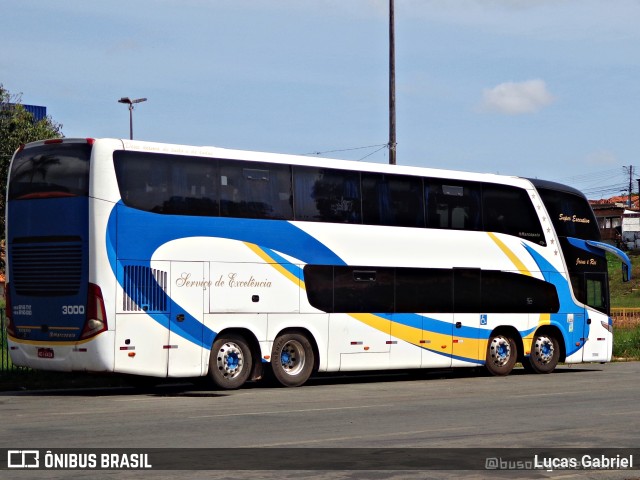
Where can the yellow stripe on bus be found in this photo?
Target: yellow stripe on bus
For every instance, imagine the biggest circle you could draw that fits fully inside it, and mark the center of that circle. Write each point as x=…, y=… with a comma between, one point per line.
x=509, y=253
x=263, y=255
x=469, y=348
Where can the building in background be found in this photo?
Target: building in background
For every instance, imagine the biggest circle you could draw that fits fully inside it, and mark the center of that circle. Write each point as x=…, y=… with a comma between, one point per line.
x=39, y=112
x=618, y=224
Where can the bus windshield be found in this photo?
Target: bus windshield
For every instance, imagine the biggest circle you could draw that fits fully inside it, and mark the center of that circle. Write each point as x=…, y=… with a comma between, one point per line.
x=57, y=170
x=570, y=214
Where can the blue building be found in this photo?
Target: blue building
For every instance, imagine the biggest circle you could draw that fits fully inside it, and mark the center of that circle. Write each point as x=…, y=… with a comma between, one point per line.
x=38, y=112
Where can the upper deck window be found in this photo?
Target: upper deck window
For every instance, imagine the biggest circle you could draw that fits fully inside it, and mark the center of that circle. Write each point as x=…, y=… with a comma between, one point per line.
x=56, y=170
x=185, y=185
x=509, y=210
x=327, y=195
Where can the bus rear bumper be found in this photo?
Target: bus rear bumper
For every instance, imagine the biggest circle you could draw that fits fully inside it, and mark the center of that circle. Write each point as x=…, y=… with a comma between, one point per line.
x=94, y=355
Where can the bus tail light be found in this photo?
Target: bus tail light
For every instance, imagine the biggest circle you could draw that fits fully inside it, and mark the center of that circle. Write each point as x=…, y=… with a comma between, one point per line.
x=8, y=313
x=96, y=321
x=608, y=325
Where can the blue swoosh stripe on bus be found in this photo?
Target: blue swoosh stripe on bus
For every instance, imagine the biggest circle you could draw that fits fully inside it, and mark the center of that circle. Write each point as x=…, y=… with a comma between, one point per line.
x=149, y=231
x=441, y=326
x=567, y=304
x=293, y=269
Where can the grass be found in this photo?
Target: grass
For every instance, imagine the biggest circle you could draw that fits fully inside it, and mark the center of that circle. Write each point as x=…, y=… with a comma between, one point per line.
x=626, y=343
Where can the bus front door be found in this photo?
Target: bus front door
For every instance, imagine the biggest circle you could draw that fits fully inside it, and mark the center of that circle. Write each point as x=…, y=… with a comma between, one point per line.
x=596, y=335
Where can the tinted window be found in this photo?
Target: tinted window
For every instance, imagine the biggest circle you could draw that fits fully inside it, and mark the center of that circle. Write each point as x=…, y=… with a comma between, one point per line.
x=318, y=280
x=596, y=292
x=392, y=200
x=56, y=170
x=466, y=284
x=509, y=210
x=350, y=289
x=255, y=190
x=591, y=289
x=453, y=205
x=416, y=290
x=168, y=184
x=506, y=292
x=325, y=195
x=571, y=214
x=363, y=289
x=421, y=290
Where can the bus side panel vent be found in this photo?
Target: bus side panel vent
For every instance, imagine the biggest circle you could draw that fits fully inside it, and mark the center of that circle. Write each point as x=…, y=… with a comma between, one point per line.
x=144, y=289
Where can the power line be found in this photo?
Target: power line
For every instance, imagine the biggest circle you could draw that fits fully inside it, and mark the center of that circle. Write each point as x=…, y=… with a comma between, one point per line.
x=376, y=151
x=382, y=145
x=604, y=183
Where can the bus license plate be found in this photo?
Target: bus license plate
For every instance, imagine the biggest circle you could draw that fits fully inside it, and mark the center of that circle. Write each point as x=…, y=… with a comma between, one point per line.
x=45, y=353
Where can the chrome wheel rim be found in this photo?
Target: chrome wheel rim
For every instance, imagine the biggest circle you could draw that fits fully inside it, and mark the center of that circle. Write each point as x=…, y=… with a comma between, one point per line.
x=543, y=350
x=230, y=360
x=292, y=357
x=500, y=351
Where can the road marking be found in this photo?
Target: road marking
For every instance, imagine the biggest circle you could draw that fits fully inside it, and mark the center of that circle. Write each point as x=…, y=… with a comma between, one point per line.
x=286, y=412
x=377, y=436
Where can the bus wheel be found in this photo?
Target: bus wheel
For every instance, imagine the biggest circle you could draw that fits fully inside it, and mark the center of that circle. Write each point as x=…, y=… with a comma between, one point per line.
x=292, y=359
x=230, y=362
x=501, y=355
x=545, y=353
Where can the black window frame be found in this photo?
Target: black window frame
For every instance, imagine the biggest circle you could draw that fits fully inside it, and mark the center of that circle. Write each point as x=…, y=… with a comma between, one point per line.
x=318, y=194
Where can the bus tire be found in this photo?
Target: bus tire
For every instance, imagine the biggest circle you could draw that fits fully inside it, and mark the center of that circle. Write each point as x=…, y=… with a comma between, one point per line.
x=292, y=359
x=501, y=355
x=545, y=353
x=230, y=362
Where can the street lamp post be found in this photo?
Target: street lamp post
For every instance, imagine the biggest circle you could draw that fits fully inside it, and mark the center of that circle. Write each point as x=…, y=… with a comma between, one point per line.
x=392, y=84
x=130, y=102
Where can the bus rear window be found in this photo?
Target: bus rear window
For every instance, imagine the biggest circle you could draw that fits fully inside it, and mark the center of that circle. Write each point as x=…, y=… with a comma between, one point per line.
x=48, y=171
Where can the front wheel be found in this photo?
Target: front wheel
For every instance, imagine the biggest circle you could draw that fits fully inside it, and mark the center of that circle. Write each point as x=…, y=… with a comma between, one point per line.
x=501, y=355
x=230, y=362
x=545, y=353
x=292, y=359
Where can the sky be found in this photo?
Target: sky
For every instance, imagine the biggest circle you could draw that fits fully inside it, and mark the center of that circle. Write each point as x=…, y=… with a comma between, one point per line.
x=537, y=88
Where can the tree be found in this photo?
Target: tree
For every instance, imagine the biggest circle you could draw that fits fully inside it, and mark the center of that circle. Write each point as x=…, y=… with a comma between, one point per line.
x=17, y=126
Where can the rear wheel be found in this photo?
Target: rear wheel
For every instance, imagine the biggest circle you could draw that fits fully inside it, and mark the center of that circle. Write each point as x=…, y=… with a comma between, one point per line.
x=230, y=362
x=501, y=355
x=545, y=353
x=292, y=359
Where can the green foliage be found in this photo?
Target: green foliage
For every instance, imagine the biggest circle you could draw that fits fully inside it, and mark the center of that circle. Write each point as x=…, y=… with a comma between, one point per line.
x=626, y=343
x=17, y=127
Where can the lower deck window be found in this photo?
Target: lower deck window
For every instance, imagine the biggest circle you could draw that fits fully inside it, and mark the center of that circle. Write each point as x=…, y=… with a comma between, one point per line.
x=346, y=289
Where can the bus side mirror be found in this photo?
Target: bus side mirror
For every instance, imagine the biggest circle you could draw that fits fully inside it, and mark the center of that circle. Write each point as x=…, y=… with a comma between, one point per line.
x=626, y=274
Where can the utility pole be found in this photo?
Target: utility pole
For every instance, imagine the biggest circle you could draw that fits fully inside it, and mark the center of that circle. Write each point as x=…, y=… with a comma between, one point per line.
x=630, y=184
x=392, y=85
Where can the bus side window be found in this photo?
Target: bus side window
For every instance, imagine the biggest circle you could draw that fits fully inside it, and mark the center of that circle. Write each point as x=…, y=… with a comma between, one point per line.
x=255, y=190
x=510, y=210
x=453, y=206
x=393, y=200
x=327, y=195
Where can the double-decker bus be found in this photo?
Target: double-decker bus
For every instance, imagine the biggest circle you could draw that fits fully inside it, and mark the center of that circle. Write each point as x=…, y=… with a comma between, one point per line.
x=175, y=261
